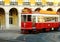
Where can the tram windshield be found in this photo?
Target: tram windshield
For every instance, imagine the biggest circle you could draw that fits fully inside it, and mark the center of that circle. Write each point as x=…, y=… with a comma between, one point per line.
x=25, y=18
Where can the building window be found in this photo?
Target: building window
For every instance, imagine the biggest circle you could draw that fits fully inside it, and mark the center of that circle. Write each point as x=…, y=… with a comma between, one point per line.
x=38, y=3
x=26, y=3
x=49, y=9
x=10, y=14
x=13, y=2
x=1, y=2
x=10, y=20
x=50, y=3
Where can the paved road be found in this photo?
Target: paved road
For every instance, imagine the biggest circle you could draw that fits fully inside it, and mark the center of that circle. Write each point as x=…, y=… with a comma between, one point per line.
x=40, y=37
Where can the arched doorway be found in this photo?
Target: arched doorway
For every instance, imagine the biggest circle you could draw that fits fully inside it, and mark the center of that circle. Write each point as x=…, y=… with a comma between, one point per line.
x=49, y=9
x=13, y=17
x=58, y=12
x=2, y=18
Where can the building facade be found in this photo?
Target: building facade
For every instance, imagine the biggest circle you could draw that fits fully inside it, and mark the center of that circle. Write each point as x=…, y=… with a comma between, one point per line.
x=10, y=10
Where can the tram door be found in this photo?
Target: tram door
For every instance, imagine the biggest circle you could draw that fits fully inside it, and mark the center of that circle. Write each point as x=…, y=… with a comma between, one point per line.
x=34, y=20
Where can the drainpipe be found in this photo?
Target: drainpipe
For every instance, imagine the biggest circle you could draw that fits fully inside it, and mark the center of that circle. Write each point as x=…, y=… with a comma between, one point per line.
x=0, y=24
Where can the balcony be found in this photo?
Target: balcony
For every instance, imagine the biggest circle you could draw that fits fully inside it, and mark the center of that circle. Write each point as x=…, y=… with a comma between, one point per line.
x=50, y=3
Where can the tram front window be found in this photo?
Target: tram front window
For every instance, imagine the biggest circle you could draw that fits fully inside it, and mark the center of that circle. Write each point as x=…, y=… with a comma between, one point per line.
x=29, y=17
x=26, y=18
x=23, y=18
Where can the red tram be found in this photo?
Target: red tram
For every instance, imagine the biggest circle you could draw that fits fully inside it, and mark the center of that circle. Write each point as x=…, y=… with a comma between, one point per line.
x=39, y=22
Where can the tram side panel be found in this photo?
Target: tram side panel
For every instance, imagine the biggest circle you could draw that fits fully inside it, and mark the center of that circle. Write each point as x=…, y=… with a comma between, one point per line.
x=47, y=25
x=39, y=26
x=26, y=25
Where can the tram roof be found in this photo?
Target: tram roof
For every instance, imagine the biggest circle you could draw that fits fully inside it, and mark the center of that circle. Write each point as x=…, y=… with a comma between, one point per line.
x=45, y=15
x=48, y=12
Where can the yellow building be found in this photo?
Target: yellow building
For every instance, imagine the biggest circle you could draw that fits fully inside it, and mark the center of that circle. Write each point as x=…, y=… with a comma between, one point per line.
x=10, y=10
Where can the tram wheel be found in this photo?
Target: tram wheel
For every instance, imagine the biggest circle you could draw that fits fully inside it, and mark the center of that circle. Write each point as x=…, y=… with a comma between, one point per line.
x=43, y=30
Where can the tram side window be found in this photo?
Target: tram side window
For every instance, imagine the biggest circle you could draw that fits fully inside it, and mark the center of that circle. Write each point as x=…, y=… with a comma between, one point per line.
x=56, y=19
x=41, y=19
x=29, y=18
x=51, y=19
x=47, y=19
x=23, y=18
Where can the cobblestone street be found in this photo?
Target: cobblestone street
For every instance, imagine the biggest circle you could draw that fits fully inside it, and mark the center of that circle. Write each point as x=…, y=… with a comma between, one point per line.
x=8, y=36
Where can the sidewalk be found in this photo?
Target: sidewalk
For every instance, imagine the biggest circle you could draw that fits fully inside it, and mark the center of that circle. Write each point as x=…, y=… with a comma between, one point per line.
x=9, y=34
x=14, y=30
x=10, y=31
